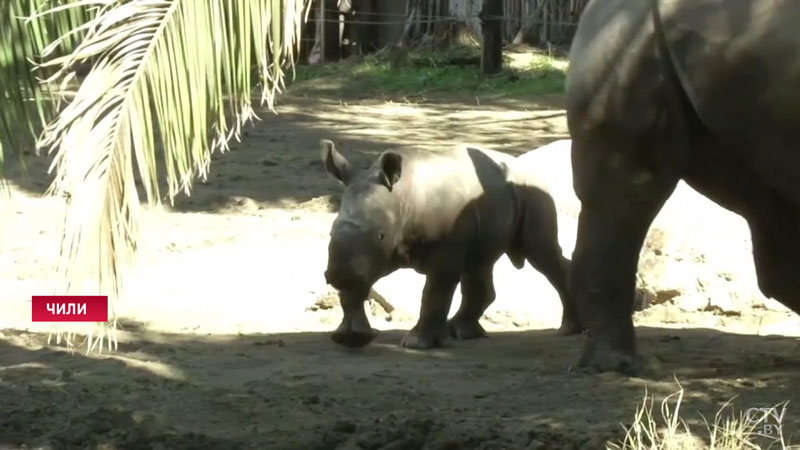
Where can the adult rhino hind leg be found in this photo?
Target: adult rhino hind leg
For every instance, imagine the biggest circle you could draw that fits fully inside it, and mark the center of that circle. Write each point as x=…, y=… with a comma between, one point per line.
x=775, y=230
x=477, y=293
x=620, y=198
x=431, y=328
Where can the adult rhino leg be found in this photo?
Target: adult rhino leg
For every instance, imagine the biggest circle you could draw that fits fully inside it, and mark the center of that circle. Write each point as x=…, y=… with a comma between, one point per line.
x=543, y=252
x=431, y=328
x=477, y=293
x=775, y=231
x=772, y=216
x=620, y=196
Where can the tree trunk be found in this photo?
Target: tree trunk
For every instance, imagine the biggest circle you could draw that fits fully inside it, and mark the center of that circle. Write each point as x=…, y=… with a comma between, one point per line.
x=492, y=32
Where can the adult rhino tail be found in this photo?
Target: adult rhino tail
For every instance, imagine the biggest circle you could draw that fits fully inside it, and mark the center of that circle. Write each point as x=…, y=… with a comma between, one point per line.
x=687, y=116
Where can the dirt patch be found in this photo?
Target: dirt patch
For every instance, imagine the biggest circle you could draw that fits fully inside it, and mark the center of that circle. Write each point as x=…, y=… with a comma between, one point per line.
x=298, y=391
x=244, y=256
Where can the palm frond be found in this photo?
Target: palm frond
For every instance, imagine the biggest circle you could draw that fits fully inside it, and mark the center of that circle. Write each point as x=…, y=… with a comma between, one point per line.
x=25, y=105
x=181, y=68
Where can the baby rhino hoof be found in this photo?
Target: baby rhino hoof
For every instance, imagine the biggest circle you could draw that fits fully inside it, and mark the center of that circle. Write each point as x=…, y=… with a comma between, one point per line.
x=463, y=329
x=354, y=333
x=354, y=339
x=421, y=341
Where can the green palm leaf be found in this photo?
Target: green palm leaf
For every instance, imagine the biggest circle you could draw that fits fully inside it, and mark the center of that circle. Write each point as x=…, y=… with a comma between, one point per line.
x=23, y=101
x=179, y=69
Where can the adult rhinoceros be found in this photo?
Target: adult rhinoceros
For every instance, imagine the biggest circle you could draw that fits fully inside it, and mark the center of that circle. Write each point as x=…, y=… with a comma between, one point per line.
x=707, y=91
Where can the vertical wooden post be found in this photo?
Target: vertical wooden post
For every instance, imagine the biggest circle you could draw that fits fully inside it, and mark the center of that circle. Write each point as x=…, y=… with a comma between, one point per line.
x=492, y=32
x=349, y=28
x=329, y=30
x=309, y=37
x=366, y=33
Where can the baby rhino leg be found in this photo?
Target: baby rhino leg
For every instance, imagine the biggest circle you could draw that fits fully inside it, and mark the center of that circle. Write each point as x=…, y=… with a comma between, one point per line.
x=477, y=293
x=431, y=328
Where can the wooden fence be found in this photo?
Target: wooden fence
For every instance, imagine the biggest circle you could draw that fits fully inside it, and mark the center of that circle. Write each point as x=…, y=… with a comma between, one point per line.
x=362, y=26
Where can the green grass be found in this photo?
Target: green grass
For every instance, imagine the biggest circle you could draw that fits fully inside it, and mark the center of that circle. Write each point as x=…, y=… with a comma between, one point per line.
x=425, y=72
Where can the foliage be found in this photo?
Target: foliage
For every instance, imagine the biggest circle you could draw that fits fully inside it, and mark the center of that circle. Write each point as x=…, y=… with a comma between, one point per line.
x=23, y=101
x=169, y=78
x=430, y=71
x=735, y=432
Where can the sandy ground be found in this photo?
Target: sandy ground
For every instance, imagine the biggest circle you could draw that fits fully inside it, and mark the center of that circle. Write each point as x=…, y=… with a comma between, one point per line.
x=225, y=333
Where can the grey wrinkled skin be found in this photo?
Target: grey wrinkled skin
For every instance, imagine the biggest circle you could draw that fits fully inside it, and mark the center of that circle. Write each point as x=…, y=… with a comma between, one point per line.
x=707, y=91
x=450, y=216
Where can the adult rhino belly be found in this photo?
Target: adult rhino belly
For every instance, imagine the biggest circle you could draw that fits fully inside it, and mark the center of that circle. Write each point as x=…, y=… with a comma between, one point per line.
x=739, y=63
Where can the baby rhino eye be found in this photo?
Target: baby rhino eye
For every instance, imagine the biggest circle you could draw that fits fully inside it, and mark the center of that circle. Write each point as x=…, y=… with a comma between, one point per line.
x=380, y=235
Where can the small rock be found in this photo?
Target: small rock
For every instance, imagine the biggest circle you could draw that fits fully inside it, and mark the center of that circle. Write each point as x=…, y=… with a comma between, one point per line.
x=665, y=295
x=594, y=443
x=536, y=445
x=269, y=162
x=723, y=300
x=329, y=300
x=344, y=426
x=726, y=276
x=695, y=301
x=402, y=444
x=371, y=440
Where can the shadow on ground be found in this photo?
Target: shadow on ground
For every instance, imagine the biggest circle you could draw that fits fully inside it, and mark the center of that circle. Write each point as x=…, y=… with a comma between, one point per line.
x=277, y=163
x=300, y=391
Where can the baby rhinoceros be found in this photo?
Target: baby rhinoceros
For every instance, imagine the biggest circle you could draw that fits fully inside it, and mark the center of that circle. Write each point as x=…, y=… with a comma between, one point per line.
x=450, y=216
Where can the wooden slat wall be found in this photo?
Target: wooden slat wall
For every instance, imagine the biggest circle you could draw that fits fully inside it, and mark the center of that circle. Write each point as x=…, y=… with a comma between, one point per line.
x=552, y=20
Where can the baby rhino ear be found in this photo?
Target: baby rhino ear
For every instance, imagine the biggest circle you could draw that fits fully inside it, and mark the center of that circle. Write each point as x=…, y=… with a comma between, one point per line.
x=336, y=164
x=391, y=168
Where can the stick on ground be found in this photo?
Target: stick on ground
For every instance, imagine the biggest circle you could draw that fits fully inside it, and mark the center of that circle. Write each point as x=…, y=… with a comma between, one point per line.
x=381, y=300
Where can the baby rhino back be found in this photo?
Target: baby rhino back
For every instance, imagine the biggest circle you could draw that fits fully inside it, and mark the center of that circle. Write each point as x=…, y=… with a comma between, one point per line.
x=463, y=195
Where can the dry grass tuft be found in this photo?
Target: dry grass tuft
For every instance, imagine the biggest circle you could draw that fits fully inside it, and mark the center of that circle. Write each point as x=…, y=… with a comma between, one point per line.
x=732, y=432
